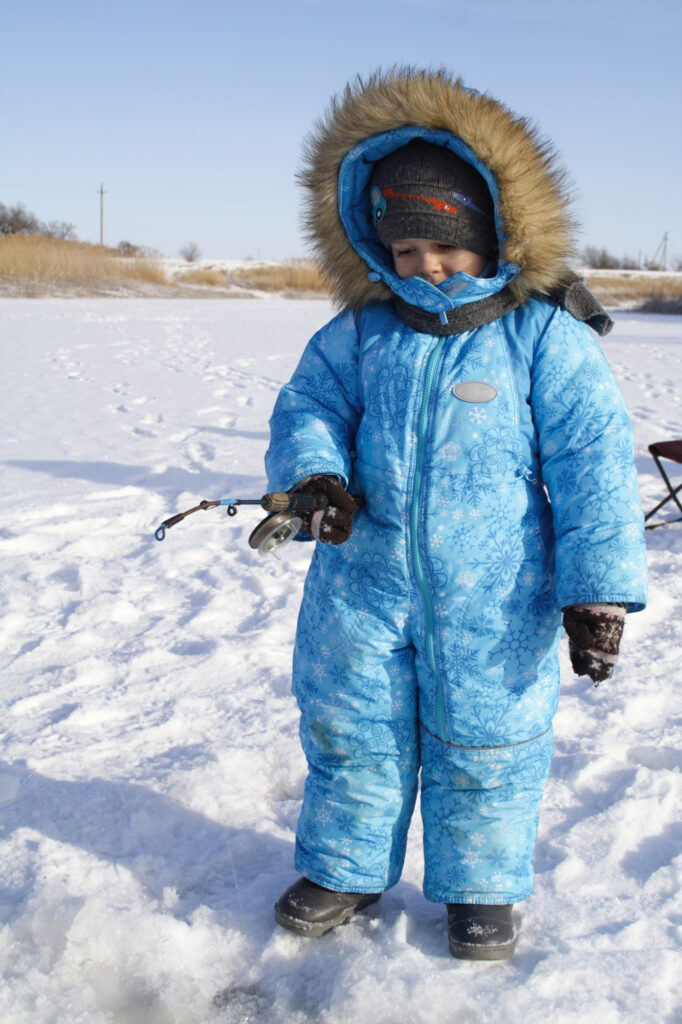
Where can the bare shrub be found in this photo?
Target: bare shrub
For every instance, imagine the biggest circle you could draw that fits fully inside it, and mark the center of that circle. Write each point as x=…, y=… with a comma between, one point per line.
x=17, y=220
x=190, y=252
x=628, y=263
x=59, y=229
x=129, y=249
x=600, y=259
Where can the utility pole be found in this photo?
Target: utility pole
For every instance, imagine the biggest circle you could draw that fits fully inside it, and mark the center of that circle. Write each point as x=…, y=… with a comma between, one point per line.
x=101, y=215
x=662, y=264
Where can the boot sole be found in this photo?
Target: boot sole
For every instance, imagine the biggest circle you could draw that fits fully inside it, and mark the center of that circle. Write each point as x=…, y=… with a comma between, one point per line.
x=473, y=951
x=313, y=930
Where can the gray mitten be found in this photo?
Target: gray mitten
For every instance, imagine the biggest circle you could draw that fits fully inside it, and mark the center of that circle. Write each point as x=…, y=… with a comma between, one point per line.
x=594, y=633
x=334, y=524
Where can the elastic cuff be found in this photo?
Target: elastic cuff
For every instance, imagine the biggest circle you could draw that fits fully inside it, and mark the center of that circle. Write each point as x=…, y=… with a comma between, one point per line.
x=611, y=610
x=335, y=885
x=315, y=522
x=478, y=899
x=608, y=659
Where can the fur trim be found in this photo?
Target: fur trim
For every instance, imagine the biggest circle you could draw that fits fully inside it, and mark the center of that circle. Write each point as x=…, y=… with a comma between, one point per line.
x=534, y=196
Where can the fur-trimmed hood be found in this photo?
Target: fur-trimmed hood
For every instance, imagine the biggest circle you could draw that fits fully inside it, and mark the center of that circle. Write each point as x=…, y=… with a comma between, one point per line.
x=374, y=117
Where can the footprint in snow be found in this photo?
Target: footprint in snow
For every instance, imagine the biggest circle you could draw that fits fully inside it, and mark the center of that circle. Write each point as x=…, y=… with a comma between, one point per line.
x=656, y=758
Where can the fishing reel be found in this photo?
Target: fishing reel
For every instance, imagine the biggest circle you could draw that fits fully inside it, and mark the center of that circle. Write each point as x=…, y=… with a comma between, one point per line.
x=274, y=532
x=280, y=525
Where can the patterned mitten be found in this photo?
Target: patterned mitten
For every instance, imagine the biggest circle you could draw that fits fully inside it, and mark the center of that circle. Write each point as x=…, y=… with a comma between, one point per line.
x=594, y=632
x=331, y=525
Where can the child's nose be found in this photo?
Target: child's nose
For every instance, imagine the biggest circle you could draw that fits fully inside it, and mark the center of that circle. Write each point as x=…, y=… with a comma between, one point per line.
x=428, y=263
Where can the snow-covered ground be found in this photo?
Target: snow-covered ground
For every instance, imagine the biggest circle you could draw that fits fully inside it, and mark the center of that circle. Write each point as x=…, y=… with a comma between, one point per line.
x=150, y=771
x=174, y=266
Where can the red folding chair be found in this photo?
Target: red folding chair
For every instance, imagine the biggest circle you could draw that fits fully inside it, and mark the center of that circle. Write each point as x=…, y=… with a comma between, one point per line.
x=666, y=450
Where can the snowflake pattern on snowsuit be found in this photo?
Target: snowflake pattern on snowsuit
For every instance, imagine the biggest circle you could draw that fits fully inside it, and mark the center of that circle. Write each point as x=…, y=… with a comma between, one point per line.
x=376, y=651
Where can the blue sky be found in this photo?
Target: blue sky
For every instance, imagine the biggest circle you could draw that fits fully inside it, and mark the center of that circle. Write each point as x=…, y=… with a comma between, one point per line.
x=193, y=114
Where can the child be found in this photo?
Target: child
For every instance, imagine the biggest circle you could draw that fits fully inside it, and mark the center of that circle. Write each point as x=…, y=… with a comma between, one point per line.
x=481, y=425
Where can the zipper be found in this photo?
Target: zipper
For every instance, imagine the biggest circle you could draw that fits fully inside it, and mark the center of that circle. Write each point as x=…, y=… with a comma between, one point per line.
x=432, y=366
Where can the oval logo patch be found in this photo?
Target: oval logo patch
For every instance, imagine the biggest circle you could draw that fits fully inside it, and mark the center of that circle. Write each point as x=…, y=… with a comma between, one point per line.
x=474, y=391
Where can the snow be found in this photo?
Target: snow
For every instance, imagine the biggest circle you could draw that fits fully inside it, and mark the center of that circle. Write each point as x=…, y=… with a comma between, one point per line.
x=150, y=772
x=174, y=266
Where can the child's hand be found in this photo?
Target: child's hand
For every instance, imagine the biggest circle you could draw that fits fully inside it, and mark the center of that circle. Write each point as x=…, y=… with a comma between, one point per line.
x=332, y=525
x=594, y=633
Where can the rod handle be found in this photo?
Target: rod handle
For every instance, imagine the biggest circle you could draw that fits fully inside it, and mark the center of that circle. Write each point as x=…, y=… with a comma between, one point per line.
x=280, y=501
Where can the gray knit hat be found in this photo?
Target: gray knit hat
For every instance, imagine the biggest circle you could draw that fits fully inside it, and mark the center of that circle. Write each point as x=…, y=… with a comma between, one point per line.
x=425, y=191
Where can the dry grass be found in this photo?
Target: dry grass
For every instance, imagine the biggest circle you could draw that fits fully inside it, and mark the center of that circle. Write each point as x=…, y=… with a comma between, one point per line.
x=293, y=276
x=49, y=261
x=635, y=288
x=612, y=288
x=204, y=276
x=35, y=264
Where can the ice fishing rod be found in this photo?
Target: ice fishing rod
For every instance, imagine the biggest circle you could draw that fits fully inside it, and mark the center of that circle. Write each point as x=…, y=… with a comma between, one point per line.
x=278, y=528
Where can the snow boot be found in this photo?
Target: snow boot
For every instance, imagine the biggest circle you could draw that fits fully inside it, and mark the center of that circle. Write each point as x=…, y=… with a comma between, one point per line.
x=477, y=931
x=309, y=909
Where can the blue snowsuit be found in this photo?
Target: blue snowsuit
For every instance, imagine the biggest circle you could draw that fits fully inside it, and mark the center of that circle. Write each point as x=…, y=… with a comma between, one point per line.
x=499, y=484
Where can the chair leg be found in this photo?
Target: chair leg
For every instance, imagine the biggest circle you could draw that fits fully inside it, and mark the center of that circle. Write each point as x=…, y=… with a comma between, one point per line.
x=672, y=495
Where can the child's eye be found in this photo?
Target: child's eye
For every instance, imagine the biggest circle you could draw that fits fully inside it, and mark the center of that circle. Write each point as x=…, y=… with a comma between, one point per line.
x=446, y=246
x=403, y=252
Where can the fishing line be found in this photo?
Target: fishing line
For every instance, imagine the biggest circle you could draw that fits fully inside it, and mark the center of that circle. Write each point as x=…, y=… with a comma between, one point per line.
x=279, y=527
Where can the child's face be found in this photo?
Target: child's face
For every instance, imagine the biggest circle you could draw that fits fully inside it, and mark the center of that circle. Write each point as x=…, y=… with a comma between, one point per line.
x=434, y=261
